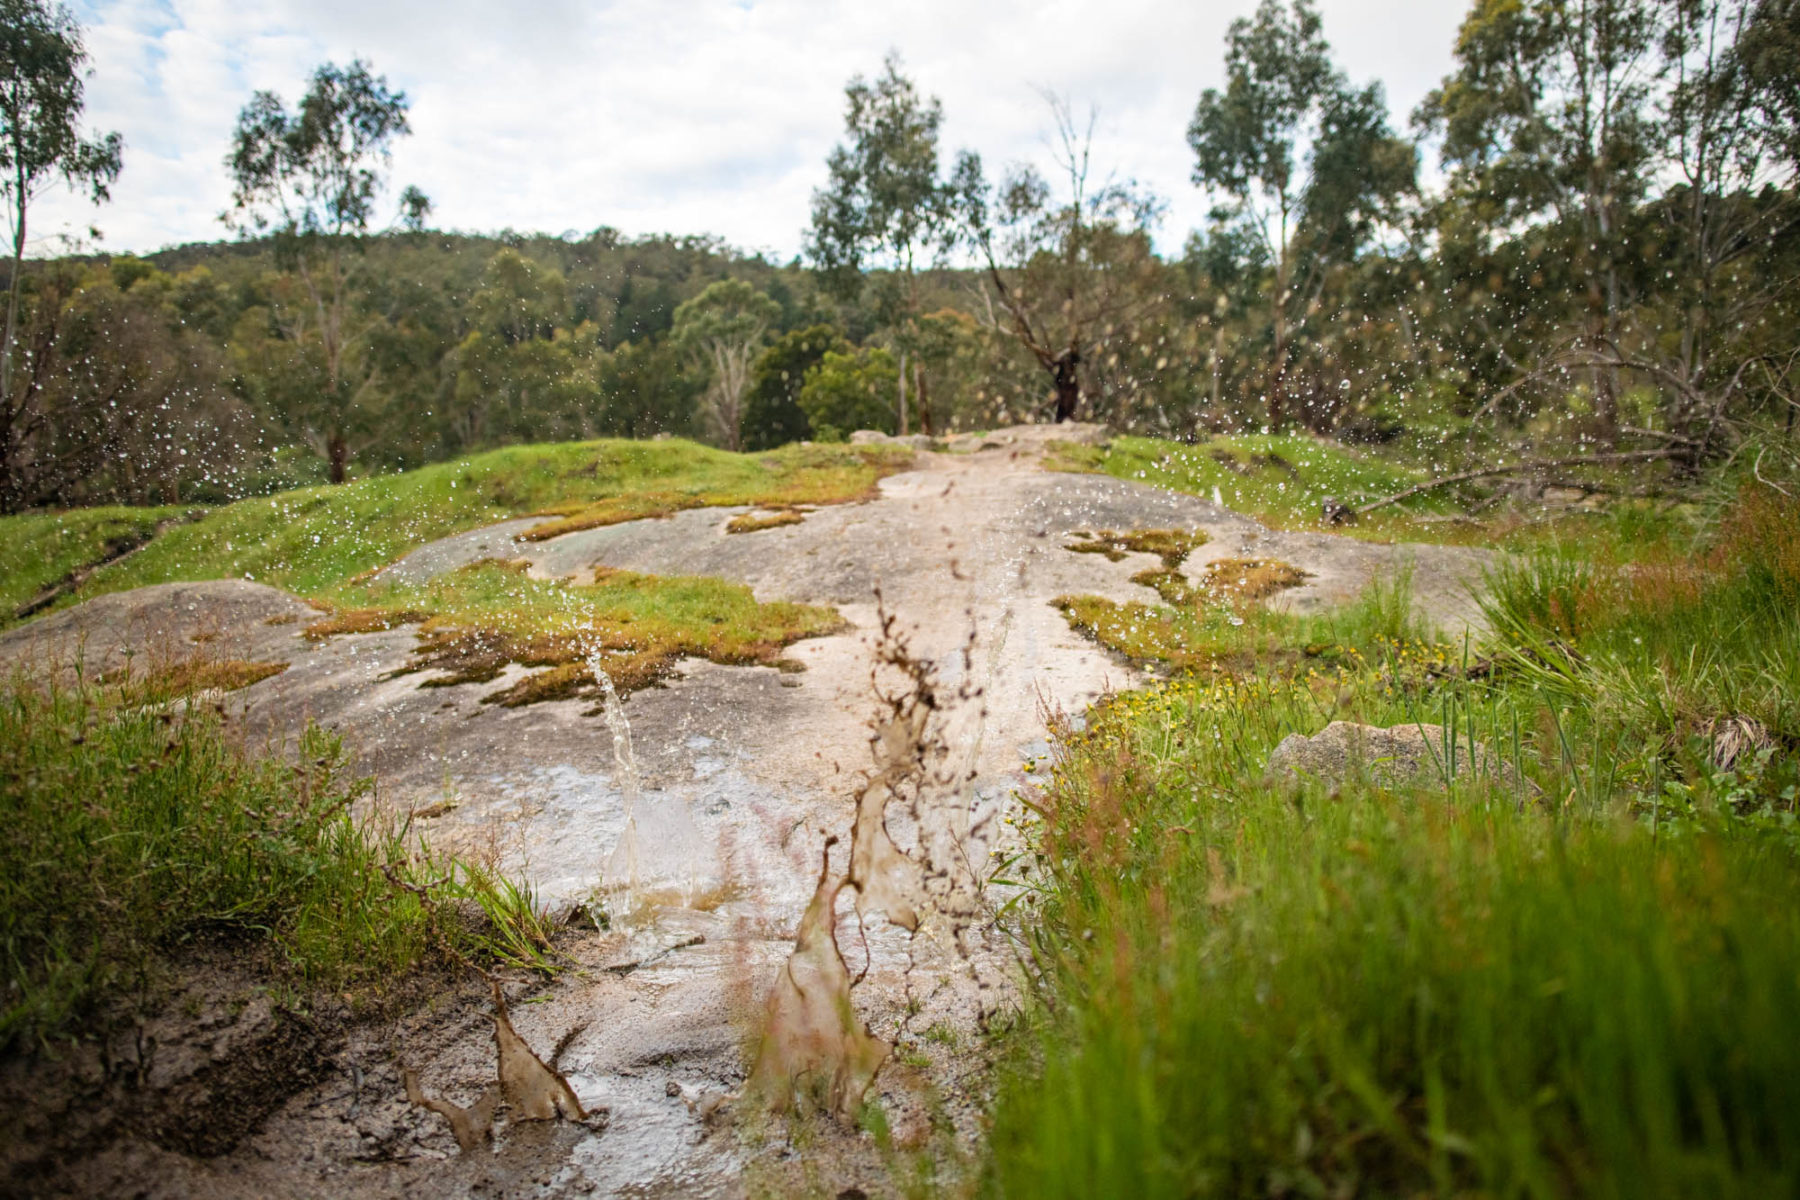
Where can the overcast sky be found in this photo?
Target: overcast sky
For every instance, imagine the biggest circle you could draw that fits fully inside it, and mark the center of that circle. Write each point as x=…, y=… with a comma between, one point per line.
x=678, y=116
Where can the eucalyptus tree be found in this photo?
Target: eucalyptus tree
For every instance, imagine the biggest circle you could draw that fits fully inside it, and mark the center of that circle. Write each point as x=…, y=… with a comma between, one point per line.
x=884, y=203
x=1548, y=120
x=312, y=178
x=1728, y=213
x=1282, y=92
x=1069, y=273
x=41, y=98
x=723, y=329
x=1769, y=52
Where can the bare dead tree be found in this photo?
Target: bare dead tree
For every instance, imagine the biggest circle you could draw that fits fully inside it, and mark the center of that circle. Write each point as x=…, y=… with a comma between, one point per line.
x=1067, y=277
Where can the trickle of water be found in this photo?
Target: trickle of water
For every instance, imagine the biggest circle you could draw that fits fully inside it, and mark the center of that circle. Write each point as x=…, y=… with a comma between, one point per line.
x=622, y=867
x=661, y=852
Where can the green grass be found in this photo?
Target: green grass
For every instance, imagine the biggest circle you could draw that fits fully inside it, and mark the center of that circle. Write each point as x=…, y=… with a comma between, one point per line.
x=312, y=540
x=1282, y=481
x=41, y=550
x=131, y=830
x=1671, y=644
x=1588, y=986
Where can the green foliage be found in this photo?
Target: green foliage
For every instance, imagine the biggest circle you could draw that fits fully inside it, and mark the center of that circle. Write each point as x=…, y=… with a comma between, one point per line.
x=722, y=330
x=132, y=830
x=1074, y=272
x=846, y=391
x=1282, y=89
x=313, y=174
x=883, y=202
x=772, y=412
x=645, y=393
x=40, y=107
x=312, y=178
x=1464, y=986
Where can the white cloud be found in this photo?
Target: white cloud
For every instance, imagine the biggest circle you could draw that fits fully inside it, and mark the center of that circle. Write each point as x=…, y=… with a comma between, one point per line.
x=680, y=116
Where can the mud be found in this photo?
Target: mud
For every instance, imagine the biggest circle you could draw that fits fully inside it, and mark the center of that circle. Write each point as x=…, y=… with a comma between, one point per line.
x=967, y=551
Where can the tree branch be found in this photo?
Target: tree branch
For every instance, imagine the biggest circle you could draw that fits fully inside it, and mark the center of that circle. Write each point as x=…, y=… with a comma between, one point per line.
x=1586, y=460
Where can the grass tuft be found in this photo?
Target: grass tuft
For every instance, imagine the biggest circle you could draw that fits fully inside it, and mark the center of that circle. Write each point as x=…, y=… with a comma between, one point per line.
x=131, y=830
x=1171, y=545
x=162, y=683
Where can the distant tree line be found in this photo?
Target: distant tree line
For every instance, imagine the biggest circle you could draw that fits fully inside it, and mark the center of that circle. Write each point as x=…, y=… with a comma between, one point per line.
x=1609, y=253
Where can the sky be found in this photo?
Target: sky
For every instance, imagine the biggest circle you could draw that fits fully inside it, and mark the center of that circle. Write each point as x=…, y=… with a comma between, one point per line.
x=670, y=116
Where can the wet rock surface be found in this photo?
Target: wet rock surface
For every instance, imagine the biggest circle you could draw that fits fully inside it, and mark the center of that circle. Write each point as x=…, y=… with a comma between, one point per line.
x=658, y=1015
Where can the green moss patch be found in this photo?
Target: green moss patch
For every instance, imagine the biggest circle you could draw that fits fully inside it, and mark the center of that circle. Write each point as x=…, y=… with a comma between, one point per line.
x=475, y=622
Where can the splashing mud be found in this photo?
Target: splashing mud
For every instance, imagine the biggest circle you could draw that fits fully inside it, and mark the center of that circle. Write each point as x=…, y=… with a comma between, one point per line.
x=814, y=1044
x=814, y=1047
x=473, y=1127
x=532, y=1089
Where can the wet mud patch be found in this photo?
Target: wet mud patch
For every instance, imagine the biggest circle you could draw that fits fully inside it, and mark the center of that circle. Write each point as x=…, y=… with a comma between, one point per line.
x=194, y=1066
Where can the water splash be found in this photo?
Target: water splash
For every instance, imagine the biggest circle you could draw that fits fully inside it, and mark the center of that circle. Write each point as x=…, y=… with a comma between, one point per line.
x=660, y=853
x=622, y=870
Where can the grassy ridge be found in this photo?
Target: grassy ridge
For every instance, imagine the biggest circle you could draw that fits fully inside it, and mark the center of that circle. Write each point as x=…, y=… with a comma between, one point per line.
x=324, y=542
x=130, y=829
x=313, y=540
x=1590, y=988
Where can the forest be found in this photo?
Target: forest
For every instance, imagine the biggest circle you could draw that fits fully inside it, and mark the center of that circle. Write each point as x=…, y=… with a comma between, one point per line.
x=1586, y=236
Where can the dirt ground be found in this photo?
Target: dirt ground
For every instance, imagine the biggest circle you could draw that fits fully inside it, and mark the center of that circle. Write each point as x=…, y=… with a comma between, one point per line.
x=966, y=551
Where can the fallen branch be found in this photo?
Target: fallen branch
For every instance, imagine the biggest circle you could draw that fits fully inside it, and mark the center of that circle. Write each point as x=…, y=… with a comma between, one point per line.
x=1586, y=460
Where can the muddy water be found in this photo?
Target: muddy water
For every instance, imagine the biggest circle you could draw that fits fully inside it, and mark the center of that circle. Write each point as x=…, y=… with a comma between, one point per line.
x=732, y=779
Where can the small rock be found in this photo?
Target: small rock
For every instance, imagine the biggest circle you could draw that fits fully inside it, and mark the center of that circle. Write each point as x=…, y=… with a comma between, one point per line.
x=1403, y=754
